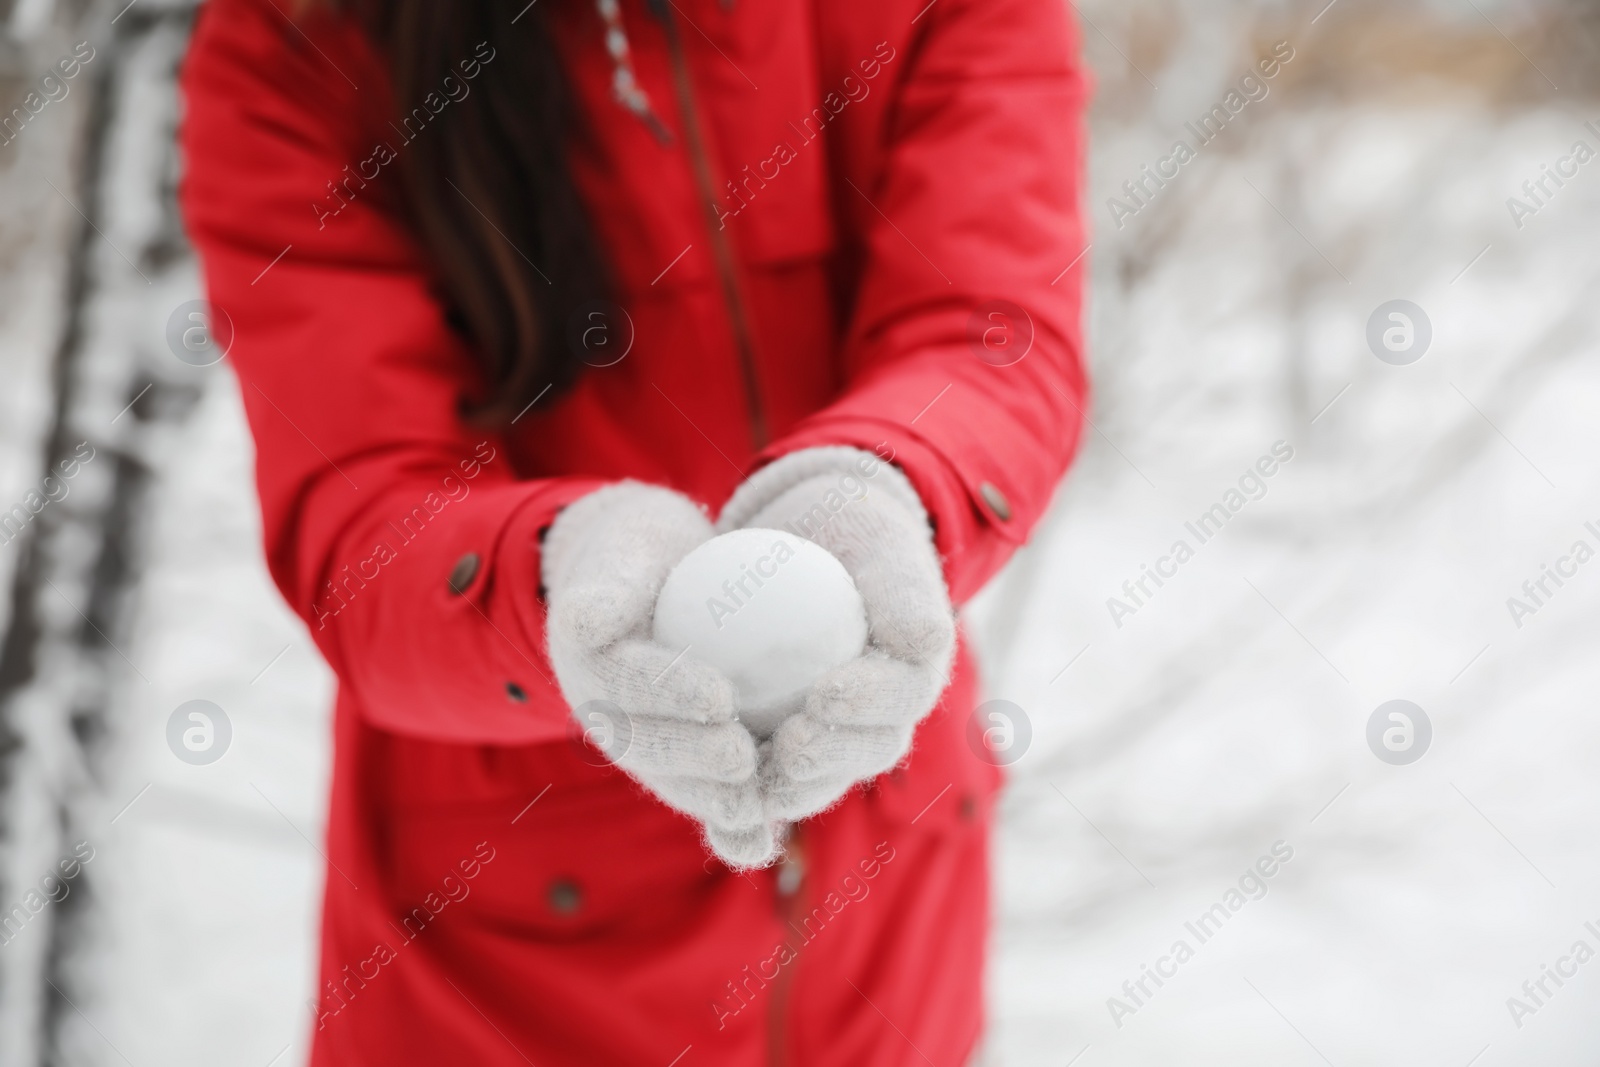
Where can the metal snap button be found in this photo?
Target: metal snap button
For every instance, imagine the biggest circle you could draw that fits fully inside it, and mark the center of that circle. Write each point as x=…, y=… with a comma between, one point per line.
x=791, y=873
x=996, y=500
x=463, y=572
x=564, y=897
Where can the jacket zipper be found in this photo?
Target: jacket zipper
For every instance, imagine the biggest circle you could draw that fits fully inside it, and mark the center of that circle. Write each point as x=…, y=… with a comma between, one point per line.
x=791, y=905
x=721, y=248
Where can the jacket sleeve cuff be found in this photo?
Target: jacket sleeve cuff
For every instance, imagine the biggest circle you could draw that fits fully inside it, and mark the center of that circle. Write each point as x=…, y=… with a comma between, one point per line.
x=452, y=645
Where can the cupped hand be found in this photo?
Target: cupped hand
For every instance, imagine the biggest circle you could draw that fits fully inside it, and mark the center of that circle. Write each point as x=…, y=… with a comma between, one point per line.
x=857, y=720
x=669, y=720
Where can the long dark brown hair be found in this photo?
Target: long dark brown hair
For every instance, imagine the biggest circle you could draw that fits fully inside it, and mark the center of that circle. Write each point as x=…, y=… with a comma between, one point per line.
x=487, y=186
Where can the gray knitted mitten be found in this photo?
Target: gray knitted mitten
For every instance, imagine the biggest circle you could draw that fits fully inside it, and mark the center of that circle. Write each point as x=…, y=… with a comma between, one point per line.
x=668, y=720
x=858, y=719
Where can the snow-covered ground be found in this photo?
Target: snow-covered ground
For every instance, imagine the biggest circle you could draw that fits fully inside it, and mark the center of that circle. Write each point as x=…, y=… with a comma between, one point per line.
x=1217, y=722
x=1230, y=711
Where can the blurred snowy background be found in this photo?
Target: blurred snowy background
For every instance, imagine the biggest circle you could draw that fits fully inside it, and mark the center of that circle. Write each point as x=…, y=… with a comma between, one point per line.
x=1228, y=713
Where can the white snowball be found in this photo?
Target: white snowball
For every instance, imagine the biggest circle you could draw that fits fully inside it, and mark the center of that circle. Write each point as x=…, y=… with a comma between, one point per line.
x=770, y=610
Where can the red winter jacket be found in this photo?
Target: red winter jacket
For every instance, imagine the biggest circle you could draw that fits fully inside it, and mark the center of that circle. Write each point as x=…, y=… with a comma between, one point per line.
x=881, y=172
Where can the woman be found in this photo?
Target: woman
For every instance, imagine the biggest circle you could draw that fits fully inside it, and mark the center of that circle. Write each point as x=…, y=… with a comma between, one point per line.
x=516, y=292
